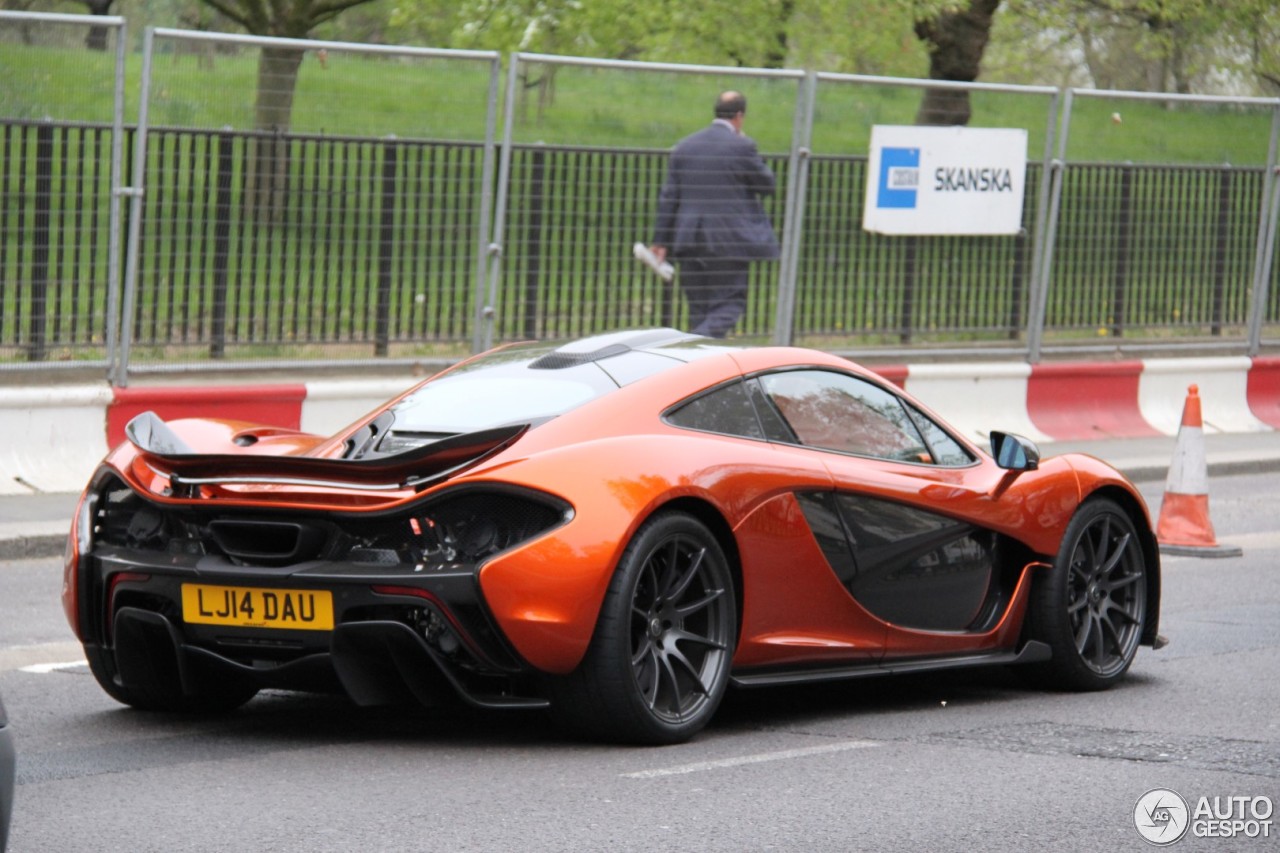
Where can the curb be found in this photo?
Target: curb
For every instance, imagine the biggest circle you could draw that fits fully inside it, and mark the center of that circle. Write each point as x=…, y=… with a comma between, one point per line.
x=33, y=547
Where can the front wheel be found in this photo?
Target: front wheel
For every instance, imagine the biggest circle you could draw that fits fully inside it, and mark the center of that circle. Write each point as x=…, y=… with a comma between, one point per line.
x=658, y=664
x=1091, y=607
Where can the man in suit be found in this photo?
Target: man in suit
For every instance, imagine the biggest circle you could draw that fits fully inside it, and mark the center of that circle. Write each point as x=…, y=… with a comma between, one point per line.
x=710, y=220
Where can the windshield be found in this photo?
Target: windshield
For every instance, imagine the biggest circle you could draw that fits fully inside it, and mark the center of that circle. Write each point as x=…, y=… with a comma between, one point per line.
x=467, y=404
x=502, y=388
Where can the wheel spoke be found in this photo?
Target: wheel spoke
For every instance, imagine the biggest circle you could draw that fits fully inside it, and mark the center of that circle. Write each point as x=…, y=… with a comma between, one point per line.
x=646, y=648
x=1110, y=633
x=667, y=580
x=682, y=583
x=651, y=675
x=1100, y=643
x=1100, y=550
x=1078, y=565
x=1123, y=581
x=1115, y=558
x=676, y=656
x=1083, y=631
x=668, y=675
x=692, y=607
x=685, y=636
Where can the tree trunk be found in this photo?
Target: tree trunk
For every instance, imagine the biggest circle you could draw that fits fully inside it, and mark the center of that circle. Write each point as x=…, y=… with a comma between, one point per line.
x=97, y=37
x=956, y=42
x=277, y=81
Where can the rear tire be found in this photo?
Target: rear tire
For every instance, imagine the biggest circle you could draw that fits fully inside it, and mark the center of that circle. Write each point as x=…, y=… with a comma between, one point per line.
x=1091, y=607
x=658, y=664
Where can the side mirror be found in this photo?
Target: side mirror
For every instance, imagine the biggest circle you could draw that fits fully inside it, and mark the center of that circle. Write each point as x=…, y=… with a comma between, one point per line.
x=1014, y=453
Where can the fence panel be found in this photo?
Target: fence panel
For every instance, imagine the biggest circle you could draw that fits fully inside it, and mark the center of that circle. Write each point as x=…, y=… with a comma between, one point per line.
x=61, y=109
x=339, y=210
x=857, y=290
x=1158, y=238
x=569, y=215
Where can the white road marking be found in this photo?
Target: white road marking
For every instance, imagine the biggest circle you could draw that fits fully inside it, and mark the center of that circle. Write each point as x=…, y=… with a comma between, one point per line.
x=758, y=758
x=46, y=668
x=21, y=657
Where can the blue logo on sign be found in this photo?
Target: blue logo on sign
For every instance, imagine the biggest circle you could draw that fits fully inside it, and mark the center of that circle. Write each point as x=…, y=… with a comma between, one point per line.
x=899, y=177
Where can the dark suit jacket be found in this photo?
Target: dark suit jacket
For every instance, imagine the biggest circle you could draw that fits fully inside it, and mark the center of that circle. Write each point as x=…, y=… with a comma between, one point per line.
x=709, y=206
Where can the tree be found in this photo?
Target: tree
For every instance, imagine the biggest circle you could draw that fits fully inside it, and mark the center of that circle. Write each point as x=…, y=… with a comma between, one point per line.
x=1151, y=45
x=278, y=66
x=956, y=38
x=277, y=81
x=97, y=36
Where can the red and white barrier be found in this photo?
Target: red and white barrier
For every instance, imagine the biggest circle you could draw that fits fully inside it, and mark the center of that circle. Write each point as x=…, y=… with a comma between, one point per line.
x=1224, y=396
x=1094, y=400
x=977, y=398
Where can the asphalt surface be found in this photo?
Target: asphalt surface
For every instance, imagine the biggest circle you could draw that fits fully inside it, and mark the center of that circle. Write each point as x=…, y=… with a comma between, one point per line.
x=36, y=525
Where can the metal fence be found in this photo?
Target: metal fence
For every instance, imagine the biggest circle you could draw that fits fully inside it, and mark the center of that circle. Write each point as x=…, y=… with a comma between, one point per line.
x=381, y=215
x=340, y=212
x=60, y=226
x=568, y=216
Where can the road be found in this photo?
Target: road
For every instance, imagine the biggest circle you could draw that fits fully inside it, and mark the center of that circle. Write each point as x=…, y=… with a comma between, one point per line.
x=967, y=761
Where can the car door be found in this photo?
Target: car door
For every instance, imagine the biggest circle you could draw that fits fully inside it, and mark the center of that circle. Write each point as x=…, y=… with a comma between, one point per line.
x=906, y=505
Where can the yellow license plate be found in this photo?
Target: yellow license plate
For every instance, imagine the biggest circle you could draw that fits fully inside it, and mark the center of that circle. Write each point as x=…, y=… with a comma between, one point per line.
x=250, y=607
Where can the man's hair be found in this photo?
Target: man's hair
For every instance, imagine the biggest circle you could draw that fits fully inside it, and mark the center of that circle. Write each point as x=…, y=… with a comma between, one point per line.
x=729, y=104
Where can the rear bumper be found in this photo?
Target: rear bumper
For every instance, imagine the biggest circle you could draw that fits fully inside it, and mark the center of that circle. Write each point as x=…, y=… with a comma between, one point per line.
x=395, y=636
x=373, y=662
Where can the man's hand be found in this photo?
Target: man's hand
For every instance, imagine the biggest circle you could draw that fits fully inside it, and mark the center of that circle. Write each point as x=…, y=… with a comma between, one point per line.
x=659, y=252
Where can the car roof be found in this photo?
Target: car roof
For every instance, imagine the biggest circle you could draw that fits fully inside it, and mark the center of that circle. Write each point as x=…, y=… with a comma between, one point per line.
x=529, y=382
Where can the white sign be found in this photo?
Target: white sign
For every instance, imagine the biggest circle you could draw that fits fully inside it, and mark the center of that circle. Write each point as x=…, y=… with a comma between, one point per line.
x=945, y=180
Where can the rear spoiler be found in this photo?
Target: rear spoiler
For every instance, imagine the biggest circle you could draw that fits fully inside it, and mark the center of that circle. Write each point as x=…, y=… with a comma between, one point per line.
x=168, y=455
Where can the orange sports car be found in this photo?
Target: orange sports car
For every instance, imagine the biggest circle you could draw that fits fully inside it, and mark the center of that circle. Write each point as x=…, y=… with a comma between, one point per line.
x=615, y=529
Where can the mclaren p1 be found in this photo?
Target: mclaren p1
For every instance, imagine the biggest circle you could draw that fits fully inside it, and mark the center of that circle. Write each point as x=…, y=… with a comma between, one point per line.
x=616, y=529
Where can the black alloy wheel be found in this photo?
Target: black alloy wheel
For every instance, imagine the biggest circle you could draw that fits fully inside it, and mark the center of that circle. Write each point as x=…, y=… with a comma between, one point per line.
x=1091, y=608
x=659, y=661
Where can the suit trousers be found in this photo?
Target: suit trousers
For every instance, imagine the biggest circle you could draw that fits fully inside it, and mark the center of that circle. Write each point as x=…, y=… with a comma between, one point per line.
x=716, y=290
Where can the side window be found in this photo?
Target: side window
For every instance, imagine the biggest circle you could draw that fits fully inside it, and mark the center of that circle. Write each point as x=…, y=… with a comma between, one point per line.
x=726, y=410
x=839, y=412
x=946, y=450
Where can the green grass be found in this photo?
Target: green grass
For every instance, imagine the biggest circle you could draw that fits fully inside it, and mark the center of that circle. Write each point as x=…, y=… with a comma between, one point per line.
x=411, y=97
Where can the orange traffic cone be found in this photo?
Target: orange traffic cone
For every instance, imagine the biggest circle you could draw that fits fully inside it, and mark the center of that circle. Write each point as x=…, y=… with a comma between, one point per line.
x=1184, y=527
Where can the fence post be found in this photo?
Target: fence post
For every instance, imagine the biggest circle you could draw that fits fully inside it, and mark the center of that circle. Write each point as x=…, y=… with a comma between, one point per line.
x=386, y=247
x=38, y=318
x=1036, y=291
x=533, y=240
x=1038, y=309
x=906, y=316
x=221, y=247
x=793, y=213
x=115, y=265
x=138, y=178
x=1264, y=255
x=1124, y=238
x=1221, y=250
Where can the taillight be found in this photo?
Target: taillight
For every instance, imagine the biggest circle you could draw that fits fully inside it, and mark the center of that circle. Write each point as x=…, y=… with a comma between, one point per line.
x=79, y=543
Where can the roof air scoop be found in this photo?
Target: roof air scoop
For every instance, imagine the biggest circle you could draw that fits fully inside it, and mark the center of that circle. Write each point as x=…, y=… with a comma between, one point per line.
x=604, y=346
